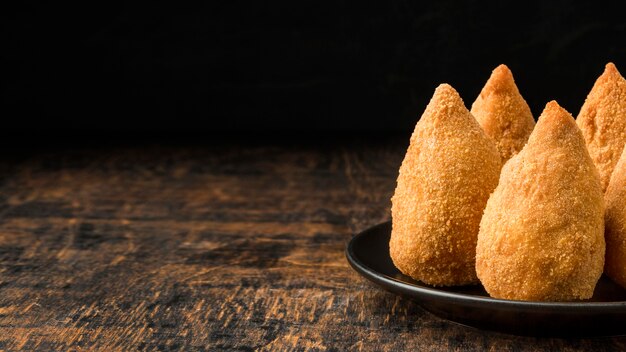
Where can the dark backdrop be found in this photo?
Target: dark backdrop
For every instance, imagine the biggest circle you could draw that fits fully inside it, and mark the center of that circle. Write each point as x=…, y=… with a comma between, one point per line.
x=300, y=66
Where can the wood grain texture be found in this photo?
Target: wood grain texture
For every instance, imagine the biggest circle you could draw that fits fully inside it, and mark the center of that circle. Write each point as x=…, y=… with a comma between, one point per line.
x=211, y=248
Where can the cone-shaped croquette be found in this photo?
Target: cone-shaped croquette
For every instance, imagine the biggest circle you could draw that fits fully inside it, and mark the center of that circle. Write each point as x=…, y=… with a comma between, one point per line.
x=615, y=222
x=602, y=120
x=503, y=113
x=542, y=235
x=446, y=177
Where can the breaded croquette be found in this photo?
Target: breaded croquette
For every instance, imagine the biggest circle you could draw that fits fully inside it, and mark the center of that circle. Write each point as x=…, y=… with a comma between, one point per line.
x=602, y=120
x=503, y=113
x=542, y=233
x=615, y=224
x=449, y=170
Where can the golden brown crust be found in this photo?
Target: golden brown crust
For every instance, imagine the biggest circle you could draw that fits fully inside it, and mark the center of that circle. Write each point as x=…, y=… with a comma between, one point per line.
x=615, y=224
x=503, y=113
x=541, y=237
x=602, y=120
x=446, y=177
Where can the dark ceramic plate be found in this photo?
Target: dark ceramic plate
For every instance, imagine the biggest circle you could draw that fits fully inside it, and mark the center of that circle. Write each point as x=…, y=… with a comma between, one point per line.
x=602, y=315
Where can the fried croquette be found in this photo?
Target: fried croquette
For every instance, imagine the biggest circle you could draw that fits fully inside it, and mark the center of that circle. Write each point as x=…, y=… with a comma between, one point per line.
x=449, y=170
x=503, y=113
x=615, y=224
x=602, y=120
x=542, y=234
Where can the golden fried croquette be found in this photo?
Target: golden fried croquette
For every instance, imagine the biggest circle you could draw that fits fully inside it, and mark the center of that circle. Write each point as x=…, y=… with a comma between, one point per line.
x=503, y=113
x=446, y=177
x=542, y=234
x=615, y=224
x=602, y=120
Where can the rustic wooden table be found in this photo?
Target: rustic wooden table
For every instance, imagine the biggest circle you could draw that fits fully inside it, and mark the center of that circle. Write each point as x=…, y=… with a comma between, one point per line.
x=214, y=247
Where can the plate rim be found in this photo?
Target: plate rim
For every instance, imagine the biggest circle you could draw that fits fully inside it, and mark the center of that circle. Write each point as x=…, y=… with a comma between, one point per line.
x=382, y=279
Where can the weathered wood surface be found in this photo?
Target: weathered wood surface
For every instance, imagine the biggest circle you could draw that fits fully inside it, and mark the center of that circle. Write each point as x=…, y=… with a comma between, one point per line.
x=210, y=248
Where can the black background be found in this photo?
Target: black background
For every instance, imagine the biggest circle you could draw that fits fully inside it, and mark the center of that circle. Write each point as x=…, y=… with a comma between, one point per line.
x=225, y=67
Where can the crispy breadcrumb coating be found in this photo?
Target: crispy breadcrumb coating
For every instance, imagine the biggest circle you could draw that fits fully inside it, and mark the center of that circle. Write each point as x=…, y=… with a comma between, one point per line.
x=542, y=234
x=503, y=113
x=602, y=120
x=446, y=177
x=615, y=224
